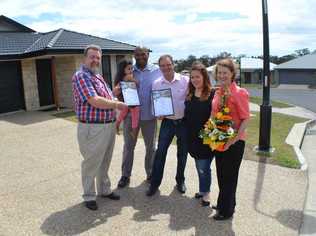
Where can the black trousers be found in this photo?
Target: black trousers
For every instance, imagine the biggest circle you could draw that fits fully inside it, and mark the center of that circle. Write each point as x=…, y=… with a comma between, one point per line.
x=227, y=168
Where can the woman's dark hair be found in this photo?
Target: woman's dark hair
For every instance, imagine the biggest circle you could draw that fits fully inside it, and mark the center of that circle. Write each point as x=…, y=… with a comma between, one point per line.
x=198, y=66
x=120, y=74
x=121, y=70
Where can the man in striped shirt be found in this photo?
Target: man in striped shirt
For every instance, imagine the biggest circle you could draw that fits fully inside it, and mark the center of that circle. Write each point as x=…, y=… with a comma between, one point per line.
x=95, y=109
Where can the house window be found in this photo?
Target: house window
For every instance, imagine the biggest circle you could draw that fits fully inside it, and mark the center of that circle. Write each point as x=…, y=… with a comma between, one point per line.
x=106, y=69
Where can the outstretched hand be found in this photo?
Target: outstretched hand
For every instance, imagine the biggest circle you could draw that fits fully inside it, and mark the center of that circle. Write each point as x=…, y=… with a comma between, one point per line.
x=120, y=105
x=117, y=90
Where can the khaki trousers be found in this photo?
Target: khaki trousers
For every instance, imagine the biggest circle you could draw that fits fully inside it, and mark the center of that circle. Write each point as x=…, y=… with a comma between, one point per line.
x=96, y=143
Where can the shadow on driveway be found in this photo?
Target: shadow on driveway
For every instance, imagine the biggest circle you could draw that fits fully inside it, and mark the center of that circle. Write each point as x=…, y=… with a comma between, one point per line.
x=184, y=213
x=27, y=118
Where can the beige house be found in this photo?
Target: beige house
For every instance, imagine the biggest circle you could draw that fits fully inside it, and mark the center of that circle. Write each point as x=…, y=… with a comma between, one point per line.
x=36, y=68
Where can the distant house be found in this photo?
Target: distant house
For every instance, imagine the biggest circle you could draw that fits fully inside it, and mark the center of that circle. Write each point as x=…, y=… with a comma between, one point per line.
x=210, y=71
x=301, y=70
x=185, y=72
x=251, y=70
x=36, y=68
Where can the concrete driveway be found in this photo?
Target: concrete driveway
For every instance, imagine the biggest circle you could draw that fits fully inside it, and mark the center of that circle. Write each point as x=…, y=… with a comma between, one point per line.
x=40, y=191
x=300, y=97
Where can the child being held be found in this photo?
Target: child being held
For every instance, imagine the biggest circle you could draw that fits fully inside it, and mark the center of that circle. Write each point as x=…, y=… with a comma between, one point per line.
x=125, y=73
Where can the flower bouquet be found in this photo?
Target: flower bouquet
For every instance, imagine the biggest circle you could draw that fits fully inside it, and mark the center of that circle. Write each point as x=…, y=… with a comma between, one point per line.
x=218, y=130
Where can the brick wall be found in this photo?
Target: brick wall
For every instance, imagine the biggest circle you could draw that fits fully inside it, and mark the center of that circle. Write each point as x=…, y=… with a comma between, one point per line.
x=65, y=68
x=30, y=84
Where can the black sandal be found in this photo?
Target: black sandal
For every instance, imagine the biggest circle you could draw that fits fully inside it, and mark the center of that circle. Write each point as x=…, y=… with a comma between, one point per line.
x=198, y=195
x=220, y=217
x=205, y=203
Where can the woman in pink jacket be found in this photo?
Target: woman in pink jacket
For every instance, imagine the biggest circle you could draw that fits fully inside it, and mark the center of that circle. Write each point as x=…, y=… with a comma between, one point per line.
x=229, y=160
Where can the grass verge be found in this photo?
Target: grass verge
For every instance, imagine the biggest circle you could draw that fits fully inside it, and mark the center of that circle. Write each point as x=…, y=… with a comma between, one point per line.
x=274, y=103
x=257, y=86
x=284, y=154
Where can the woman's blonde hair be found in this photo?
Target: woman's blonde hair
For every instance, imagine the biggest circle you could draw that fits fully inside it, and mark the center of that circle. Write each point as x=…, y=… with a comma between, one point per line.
x=227, y=63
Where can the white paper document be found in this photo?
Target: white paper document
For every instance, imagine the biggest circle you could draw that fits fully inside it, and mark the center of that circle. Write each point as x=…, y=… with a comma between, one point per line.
x=162, y=102
x=130, y=95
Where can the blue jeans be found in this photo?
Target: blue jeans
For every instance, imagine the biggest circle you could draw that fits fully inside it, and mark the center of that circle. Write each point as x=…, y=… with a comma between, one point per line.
x=203, y=167
x=168, y=129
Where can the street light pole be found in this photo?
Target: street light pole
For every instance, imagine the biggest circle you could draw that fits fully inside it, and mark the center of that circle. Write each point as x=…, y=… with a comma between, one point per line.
x=265, y=108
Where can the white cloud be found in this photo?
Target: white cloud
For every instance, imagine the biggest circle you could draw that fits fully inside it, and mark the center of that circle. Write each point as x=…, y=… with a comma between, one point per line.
x=176, y=26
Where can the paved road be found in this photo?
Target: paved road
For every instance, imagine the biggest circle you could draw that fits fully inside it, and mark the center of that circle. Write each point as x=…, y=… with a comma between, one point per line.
x=304, y=98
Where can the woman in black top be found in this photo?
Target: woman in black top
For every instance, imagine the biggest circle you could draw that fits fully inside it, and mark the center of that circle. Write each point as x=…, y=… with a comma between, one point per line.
x=198, y=108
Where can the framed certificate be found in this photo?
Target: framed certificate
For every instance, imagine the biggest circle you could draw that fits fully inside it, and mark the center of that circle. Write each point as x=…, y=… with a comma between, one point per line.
x=162, y=102
x=129, y=91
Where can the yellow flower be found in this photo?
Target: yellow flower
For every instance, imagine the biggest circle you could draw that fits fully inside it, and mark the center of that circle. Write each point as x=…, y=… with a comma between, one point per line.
x=226, y=110
x=219, y=115
x=207, y=141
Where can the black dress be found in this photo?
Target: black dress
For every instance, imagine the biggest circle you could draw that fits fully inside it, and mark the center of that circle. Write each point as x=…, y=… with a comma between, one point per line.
x=196, y=114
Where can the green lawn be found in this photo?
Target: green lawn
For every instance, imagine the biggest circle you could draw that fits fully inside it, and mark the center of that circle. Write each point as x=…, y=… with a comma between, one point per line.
x=274, y=103
x=284, y=154
x=257, y=86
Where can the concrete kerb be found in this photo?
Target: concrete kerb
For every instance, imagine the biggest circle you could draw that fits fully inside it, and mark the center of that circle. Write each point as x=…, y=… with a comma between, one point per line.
x=295, y=138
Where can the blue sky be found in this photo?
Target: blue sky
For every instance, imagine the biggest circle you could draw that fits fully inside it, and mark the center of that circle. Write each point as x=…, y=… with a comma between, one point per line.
x=178, y=27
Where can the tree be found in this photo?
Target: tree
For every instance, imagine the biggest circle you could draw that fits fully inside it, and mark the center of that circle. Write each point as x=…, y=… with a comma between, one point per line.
x=185, y=64
x=274, y=59
x=189, y=61
x=223, y=55
x=179, y=65
x=287, y=58
x=206, y=60
x=241, y=56
x=302, y=52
